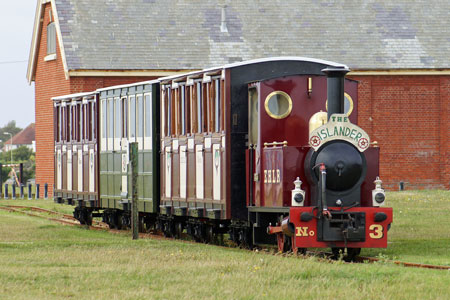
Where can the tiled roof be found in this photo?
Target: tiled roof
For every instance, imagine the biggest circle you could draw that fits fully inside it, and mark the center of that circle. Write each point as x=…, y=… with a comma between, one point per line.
x=24, y=137
x=188, y=34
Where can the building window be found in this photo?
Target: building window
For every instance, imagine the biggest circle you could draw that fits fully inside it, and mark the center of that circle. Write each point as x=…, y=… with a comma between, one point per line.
x=51, y=38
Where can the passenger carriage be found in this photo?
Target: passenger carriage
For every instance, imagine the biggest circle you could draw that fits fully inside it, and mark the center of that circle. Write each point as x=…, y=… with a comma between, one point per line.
x=128, y=113
x=75, y=135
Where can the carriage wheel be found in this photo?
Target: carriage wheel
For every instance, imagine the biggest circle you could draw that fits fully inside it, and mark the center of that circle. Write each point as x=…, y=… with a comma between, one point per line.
x=178, y=230
x=209, y=234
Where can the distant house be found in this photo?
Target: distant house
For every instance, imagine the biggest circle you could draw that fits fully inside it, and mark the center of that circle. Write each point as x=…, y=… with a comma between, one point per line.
x=26, y=138
x=397, y=50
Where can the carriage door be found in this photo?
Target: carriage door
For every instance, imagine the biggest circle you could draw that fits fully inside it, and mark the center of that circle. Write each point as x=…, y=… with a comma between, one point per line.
x=124, y=143
x=253, y=154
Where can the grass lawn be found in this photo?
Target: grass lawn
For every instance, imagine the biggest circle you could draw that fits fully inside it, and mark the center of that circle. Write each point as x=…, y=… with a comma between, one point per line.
x=44, y=260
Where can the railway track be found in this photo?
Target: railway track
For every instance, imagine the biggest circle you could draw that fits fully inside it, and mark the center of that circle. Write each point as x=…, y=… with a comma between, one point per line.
x=97, y=225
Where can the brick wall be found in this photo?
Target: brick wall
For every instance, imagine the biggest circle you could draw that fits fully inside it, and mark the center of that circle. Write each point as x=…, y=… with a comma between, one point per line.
x=409, y=117
x=50, y=82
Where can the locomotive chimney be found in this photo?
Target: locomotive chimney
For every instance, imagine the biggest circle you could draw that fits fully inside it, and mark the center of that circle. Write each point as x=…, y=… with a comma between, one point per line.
x=335, y=89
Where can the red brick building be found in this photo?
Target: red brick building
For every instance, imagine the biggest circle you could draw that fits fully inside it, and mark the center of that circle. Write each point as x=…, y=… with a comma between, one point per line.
x=397, y=53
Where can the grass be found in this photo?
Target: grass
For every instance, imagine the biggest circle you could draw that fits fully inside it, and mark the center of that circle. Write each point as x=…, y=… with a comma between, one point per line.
x=43, y=260
x=421, y=228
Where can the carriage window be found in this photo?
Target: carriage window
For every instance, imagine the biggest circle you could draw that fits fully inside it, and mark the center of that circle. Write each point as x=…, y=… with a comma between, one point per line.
x=169, y=111
x=104, y=119
x=140, y=113
x=198, y=87
x=193, y=100
x=132, y=116
x=175, y=110
x=56, y=121
x=125, y=117
x=278, y=105
x=206, y=110
x=86, y=121
x=80, y=121
x=61, y=124
x=217, y=105
x=83, y=121
x=90, y=121
x=110, y=118
x=209, y=118
x=187, y=108
x=118, y=118
x=164, y=112
x=58, y=124
x=253, y=116
x=69, y=125
x=183, y=109
x=222, y=112
x=93, y=121
x=148, y=116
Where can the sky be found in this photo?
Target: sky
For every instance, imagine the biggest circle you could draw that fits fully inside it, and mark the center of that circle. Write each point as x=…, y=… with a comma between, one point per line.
x=16, y=29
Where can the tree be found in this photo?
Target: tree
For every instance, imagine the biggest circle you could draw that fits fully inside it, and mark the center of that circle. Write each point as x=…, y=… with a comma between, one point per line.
x=11, y=128
x=23, y=155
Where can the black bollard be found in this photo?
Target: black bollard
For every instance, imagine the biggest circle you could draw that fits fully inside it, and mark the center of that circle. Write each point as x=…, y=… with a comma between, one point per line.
x=22, y=195
x=13, y=196
x=37, y=191
x=46, y=191
x=6, y=191
x=29, y=191
x=21, y=173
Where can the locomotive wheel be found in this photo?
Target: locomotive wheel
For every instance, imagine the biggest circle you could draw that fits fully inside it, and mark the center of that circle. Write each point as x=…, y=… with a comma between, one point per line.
x=280, y=242
x=296, y=250
x=284, y=243
x=338, y=253
x=352, y=253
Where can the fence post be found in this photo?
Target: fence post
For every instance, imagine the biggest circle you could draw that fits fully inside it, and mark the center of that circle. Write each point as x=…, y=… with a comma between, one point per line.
x=13, y=196
x=21, y=191
x=134, y=174
x=6, y=191
x=37, y=190
x=46, y=191
x=29, y=191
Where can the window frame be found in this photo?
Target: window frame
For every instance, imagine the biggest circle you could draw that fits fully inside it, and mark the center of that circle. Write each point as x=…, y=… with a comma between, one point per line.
x=51, y=42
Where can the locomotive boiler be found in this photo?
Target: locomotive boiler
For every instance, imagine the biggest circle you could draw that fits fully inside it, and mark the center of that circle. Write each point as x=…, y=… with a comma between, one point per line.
x=265, y=151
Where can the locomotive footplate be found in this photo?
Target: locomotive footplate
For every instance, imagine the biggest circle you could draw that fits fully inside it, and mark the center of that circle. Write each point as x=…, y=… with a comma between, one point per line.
x=342, y=226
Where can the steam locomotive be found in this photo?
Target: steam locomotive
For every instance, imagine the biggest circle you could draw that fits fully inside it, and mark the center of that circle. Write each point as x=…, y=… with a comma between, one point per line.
x=266, y=151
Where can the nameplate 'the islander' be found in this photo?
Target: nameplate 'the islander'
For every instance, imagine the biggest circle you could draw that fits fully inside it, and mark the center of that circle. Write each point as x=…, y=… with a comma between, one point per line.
x=339, y=128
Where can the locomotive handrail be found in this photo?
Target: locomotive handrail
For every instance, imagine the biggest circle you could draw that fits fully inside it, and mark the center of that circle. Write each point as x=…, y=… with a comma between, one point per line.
x=274, y=144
